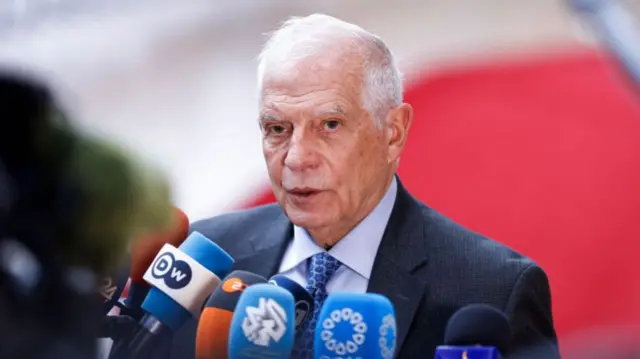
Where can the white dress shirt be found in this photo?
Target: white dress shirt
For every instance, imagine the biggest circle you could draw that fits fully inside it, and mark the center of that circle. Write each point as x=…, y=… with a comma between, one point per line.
x=356, y=251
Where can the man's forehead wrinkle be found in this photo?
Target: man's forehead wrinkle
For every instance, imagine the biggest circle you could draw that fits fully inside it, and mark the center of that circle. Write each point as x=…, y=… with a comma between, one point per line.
x=335, y=109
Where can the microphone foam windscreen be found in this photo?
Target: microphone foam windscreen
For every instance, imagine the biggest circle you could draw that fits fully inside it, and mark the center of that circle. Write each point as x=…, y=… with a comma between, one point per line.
x=212, y=338
x=478, y=324
x=356, y=325
x=303, y=299
x=144, y=250
x=262, y=324
x=112, y=285
x=186, y=275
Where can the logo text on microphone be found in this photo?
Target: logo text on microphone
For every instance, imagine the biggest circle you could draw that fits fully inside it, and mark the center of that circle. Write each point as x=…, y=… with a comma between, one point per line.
x=175, y=273
x=265, y=323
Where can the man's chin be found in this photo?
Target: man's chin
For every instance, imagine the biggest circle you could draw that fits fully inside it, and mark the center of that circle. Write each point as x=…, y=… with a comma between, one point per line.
x=306, y=219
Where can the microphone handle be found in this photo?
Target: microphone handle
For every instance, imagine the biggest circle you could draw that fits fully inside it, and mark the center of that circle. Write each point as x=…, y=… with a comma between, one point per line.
x=150, y=329
x=132, y=304
x=120, y=350
x=133, y=347
x=117, y=327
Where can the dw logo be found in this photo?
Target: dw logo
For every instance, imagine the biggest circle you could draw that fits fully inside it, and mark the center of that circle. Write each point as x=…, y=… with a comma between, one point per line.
x=265, y=323
x=176, y=273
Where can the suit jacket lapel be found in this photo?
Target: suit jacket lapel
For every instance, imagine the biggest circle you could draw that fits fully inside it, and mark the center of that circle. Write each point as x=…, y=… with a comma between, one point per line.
x=402, y=256
x=268, y=247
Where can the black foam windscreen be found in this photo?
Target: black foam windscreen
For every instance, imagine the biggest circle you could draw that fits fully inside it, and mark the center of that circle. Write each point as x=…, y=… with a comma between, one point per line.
x=113, y=285
x=478, y=324
x=228, y=293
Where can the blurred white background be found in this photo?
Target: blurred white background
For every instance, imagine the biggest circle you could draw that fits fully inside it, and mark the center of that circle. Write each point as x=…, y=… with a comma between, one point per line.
x=175, y=79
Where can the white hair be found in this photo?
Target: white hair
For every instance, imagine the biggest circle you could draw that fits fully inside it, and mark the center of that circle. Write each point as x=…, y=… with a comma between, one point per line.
x=302, y=37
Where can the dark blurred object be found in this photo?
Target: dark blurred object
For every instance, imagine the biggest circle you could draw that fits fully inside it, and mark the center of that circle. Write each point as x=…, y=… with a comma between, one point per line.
x=118, y=327
x=479, y=324
x=69, y=206
x=113, y=285
x=46, y=306
x=615, y=24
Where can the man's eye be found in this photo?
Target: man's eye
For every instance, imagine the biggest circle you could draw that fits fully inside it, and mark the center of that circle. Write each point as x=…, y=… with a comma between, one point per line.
x=331, y=125
x=276, y=129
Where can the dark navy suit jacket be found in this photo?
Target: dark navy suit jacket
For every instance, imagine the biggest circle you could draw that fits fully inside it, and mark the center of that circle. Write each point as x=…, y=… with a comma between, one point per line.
x=427, y=265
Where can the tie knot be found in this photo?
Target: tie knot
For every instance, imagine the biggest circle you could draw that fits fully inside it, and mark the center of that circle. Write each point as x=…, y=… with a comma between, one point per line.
x=322, y=267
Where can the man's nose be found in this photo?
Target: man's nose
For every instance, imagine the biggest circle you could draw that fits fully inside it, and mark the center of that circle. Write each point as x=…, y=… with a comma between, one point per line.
x=301, y=154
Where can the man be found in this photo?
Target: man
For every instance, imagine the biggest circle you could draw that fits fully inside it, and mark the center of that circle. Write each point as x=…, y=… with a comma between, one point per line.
x=334, y=127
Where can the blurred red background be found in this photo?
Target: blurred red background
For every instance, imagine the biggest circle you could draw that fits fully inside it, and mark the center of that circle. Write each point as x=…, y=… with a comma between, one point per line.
x=543, y=155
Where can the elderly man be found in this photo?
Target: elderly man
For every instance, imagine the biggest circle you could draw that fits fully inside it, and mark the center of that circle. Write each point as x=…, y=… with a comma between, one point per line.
x=333, y=130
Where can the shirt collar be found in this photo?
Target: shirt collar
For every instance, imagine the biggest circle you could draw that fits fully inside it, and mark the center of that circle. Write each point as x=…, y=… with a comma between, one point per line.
x=364, y=239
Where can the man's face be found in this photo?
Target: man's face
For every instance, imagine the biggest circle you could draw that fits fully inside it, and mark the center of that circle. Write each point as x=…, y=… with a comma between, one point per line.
x=326, y=158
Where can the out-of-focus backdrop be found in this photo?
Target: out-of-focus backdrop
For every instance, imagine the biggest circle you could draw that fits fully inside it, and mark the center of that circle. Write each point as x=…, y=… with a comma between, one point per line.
x=524, y=131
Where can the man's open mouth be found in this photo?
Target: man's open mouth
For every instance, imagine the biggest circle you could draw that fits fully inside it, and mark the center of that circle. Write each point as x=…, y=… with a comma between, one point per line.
x=303, y=192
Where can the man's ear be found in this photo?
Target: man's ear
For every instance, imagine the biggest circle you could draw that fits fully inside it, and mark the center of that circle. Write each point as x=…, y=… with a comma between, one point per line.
x=398, y=122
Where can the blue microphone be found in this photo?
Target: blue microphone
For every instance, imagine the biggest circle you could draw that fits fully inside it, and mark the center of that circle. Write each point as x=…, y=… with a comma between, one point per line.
x=353, y=325
x=303, y=299
x=263, y=323
x=181, y=279
x=476, y=331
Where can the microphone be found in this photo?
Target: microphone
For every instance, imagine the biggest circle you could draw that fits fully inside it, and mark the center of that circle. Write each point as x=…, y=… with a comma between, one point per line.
x=303, y=299
x=262, y=324
x=112, y=286
x=476, y=331
x=212, y=336
x=117, y=327
x=352, y=325
x=181, y=279
x=616, y=26
x=143, y=252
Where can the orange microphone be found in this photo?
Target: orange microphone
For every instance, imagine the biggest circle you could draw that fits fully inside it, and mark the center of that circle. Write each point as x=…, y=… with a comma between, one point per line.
x=212, y=339
x=143, y=252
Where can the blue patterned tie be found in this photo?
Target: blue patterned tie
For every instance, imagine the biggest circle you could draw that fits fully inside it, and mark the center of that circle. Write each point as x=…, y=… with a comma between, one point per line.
x=321, y=268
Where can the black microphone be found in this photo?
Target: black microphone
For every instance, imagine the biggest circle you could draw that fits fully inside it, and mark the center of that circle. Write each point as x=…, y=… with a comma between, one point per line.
x=476, y=331
x=117, y=327
x=615, y=25
x=113, y=284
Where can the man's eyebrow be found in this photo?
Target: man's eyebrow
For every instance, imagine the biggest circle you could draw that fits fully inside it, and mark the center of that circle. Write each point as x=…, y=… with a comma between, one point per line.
x=268, y=117
x=336, y=110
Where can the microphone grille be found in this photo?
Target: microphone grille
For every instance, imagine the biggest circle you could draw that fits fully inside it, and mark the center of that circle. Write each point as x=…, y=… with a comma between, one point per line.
x=212, y=338
x=478, y=324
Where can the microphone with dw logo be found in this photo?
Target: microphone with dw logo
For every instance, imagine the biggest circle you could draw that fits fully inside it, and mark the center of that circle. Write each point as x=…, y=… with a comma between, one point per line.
x=181, y=279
